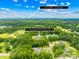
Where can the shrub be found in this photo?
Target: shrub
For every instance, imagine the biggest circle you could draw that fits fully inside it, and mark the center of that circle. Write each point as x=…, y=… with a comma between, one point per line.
x=22, y=52
x=54, y=37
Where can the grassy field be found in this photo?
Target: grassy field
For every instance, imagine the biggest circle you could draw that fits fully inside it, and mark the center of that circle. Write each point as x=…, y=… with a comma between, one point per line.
x=4, y=57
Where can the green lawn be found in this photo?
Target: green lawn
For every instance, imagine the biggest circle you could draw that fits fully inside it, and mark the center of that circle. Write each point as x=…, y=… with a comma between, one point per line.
x=4, y=57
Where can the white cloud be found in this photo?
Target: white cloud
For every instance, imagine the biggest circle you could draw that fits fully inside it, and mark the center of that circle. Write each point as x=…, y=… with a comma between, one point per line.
x=43, y=1
x=54, y=14
x=38, y=8
x=25, y=0
x=76, y=12
x=3, y=12
x=62, y=3
x=26, y=6
x=52, y=10
x=68, y=3
x=33, y=6
x=64, y=13
x=55, y=0
x=39, y=14
x=14, y=14
x=36, y=0
x=18, y=4
x=6, y=9
x=51, y=5
x=15, y=0
x=57, y=3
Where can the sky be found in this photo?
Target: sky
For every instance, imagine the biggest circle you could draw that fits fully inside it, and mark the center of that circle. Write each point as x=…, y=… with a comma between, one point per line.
x=30, y=9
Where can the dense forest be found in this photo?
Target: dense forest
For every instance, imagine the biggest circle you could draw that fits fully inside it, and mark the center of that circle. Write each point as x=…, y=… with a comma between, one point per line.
x=17, y=43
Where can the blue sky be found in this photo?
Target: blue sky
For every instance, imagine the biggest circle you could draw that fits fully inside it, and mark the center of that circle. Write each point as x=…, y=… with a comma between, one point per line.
x=30, y=9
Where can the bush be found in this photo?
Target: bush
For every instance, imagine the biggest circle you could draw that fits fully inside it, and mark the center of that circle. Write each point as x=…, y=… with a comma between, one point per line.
x=70, y=51
x=54, y=37
x=42, y=42
x=22, y=52
x=45, y=55
x=58, y=49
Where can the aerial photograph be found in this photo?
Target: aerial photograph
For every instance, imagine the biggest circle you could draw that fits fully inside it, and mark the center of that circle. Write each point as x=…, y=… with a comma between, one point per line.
x=39, y=29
